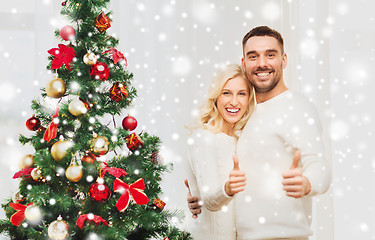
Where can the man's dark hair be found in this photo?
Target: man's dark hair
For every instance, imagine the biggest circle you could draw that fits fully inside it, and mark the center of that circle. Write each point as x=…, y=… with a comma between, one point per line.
x=262, y=31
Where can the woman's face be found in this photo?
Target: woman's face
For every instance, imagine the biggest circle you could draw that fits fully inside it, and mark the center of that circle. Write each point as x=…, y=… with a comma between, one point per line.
x=233, y=102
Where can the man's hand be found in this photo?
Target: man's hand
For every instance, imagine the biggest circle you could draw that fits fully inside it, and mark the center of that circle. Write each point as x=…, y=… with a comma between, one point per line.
x=295, y=184
x=237, y=179
x=193, y=202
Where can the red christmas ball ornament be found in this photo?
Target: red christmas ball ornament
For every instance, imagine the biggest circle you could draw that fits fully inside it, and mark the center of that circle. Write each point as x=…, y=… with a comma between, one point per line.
x=89, y=158
x=67, y=33
x=33, y=123
x=118, y=92
x=100, y=71
x=129, y=123
x=99, y=191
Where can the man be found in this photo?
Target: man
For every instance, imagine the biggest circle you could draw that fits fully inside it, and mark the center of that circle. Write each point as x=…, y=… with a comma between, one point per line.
x=280, y=150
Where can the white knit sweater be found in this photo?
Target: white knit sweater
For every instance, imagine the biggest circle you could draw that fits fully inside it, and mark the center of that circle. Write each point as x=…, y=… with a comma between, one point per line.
x=265, y=149
x=210, y=158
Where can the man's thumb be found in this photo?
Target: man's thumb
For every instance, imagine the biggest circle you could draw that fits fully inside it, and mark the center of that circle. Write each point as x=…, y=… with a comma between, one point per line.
x=236, y=163
x=296, y=159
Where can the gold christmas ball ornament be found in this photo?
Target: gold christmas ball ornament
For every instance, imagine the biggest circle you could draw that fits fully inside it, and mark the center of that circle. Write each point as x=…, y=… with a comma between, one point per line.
x=26, y=162
x=56, y=88
x=60, y=149
x=74, y=173
x=36, y=174
x=90, y=58
x=33, y=214
x=58, y=230
x=99, y=146
x=77, y=107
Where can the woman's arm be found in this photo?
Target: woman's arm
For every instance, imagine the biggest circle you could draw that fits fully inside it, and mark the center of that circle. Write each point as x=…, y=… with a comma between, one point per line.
x=207, y=184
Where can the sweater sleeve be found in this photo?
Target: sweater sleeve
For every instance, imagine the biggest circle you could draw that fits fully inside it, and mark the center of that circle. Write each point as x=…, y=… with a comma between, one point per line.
x=202, y=157
x=306, y=135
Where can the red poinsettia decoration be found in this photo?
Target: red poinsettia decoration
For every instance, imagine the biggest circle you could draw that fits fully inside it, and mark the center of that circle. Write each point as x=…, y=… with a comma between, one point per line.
x=63, y=54
x=17, y=218
x=117, y=55
x=23, y=173
x=116, y=172
x=136, y=190
x=90, y=217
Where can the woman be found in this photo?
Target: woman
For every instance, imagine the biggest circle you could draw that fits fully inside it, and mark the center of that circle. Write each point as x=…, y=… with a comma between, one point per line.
x=211, y=147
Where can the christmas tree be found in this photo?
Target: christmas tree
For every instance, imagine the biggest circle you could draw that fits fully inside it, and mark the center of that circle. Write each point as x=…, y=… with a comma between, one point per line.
x=86, y=179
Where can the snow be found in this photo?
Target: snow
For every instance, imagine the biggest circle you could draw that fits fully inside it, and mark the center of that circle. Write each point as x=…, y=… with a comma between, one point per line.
x=175, y=47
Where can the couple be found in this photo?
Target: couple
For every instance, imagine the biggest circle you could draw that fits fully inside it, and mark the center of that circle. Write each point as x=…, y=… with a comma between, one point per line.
x=257, y=157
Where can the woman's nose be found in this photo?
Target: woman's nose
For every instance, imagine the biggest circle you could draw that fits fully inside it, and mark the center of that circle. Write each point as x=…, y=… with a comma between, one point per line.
x=234, y=101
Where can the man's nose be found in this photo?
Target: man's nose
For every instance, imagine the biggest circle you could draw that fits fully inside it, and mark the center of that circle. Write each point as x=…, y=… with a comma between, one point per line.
x=262, y=61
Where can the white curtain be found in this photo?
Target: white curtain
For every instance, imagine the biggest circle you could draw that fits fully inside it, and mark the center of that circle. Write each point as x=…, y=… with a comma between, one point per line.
x=174, y=47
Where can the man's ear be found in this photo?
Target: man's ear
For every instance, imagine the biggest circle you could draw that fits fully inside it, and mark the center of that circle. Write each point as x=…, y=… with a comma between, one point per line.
x=284, y=61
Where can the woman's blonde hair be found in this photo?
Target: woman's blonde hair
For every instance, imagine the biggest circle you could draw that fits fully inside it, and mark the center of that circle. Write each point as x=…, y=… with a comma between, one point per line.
x=209, y=116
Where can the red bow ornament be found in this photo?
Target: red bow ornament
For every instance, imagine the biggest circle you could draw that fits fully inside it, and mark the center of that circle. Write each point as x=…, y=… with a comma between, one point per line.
x=17, y=218
x=136, y=190
x=63, y=54
x=90, y=217
x=117, y=55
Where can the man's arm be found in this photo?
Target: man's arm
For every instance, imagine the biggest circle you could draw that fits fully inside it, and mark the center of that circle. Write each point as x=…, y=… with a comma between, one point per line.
x=310, y=173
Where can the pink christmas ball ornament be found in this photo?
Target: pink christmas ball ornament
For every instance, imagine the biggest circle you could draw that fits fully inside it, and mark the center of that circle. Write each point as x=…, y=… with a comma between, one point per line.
x=67, y=33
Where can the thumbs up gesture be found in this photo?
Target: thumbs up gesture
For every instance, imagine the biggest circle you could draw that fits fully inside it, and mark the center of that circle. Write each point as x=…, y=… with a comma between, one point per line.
x=294, y=183
x=237, y=179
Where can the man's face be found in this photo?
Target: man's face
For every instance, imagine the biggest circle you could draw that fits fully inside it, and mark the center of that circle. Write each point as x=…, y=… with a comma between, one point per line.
x=263, y=63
